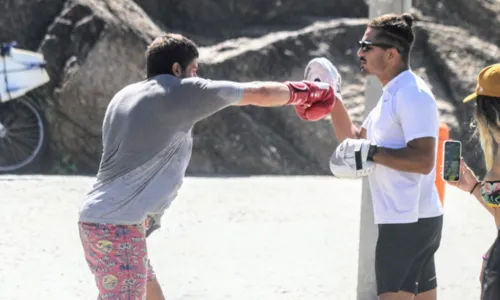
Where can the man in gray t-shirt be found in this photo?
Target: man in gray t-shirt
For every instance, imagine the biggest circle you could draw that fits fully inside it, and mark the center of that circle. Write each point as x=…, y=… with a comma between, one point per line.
x=147, y=144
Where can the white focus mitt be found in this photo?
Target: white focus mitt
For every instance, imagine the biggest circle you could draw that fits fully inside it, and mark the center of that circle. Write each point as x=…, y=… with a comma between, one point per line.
x=353, y=158
x=320, y=69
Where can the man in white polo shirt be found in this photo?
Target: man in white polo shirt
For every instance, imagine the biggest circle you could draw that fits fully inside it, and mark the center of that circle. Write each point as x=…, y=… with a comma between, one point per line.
x=404, y=126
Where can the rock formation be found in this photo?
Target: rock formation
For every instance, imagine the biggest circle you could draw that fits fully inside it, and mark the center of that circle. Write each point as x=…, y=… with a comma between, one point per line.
x=95, y=47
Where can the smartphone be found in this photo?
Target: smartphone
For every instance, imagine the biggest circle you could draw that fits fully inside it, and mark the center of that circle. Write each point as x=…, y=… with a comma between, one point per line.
x=451, y=160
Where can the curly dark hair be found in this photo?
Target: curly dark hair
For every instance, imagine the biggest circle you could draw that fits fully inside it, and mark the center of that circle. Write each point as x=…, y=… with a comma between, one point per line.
x=168, y=49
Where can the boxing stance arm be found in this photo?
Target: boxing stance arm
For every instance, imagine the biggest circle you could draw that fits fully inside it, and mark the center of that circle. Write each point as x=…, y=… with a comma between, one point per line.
x=312, y=100
x=265, y=94
x=200, y=98
x=342, y=124
x=417, y=157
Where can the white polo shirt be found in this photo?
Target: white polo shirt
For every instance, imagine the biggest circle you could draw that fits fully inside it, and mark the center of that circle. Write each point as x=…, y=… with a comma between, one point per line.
x=406, y=110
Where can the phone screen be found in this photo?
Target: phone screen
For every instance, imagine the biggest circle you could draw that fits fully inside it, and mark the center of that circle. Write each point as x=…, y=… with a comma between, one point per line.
x=451, y=160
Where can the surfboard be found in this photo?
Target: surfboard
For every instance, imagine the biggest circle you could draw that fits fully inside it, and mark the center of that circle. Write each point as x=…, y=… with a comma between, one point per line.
x=21, y=71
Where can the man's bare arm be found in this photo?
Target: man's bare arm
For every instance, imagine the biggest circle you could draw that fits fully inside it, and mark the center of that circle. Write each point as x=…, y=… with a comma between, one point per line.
x=417, y=157
x=207, y=97
x=342, y=124
x=265, y=94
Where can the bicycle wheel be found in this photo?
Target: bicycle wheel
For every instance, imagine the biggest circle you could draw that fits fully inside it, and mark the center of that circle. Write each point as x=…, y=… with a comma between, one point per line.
x=22, y=135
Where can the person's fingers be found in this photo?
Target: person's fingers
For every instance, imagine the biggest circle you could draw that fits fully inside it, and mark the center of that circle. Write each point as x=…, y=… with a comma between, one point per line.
x=462, y=165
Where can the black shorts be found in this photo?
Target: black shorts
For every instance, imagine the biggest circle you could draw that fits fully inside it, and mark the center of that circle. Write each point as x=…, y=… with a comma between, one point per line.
x=404, y=256
x=490, y=286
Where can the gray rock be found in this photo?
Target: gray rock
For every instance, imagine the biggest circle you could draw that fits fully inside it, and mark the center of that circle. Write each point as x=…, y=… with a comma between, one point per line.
x=95, y=47
x=218, y=19
x=26, y=21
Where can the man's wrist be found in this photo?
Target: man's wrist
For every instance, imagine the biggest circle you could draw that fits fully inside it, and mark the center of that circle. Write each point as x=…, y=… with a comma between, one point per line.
x=371, y=152
x=299, y=92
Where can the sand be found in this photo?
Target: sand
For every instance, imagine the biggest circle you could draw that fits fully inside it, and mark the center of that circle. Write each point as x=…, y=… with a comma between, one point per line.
x=225, y=238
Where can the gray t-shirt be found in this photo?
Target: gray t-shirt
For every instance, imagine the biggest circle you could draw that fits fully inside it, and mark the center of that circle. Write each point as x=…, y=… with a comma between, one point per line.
x=147, y=144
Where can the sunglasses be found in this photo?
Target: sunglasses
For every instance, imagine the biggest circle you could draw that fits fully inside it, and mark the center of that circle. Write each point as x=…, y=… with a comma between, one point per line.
x=366, y=46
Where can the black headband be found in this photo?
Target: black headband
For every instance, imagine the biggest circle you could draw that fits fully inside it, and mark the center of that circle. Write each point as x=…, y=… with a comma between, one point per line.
x=396, y=36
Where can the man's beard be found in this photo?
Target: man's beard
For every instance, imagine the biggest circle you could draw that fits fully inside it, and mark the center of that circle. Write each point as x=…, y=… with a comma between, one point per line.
x=362, y=65
x=362, y=69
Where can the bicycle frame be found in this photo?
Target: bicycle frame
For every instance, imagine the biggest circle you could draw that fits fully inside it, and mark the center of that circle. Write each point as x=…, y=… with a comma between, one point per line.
x=20, y=71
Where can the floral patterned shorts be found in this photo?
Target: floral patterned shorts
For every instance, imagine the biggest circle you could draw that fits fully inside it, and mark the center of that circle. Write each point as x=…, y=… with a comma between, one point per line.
x=118, y=258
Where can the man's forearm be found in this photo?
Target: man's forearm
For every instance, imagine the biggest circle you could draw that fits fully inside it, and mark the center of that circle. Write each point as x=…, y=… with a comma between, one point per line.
x=342, y=124
x=404, y=159
x=265, y=94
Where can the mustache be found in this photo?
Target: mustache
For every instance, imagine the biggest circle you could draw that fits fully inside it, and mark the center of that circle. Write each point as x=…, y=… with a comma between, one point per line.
x=362, y=59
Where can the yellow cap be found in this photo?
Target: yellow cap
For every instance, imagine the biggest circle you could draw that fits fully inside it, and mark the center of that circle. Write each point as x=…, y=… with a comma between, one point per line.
x=488, y=83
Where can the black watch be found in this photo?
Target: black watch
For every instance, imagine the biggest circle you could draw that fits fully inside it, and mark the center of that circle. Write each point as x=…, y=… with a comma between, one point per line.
x=371, y=152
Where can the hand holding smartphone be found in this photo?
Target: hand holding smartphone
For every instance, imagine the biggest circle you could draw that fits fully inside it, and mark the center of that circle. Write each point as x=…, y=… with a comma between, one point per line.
x=451, y=160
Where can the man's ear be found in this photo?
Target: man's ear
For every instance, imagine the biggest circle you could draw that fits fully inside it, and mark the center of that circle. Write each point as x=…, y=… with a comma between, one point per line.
x=176, y=69
x=393, y=54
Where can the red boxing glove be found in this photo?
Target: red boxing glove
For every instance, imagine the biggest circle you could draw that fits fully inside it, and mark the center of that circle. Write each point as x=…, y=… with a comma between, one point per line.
x=312, y=100
x=316, y=111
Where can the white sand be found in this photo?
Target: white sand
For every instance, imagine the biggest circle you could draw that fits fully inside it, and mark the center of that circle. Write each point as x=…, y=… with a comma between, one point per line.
x=239, y=238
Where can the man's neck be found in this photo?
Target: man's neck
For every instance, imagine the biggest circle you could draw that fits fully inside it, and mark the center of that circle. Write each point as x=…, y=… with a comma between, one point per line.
x=386, y=78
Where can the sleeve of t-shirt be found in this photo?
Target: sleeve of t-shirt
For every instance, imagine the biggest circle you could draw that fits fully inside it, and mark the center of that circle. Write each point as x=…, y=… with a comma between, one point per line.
x=417, y=112
x=199, y=98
